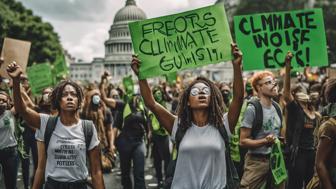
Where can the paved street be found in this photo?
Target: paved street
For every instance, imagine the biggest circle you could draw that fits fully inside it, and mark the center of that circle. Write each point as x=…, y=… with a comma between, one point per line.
x=112, y=180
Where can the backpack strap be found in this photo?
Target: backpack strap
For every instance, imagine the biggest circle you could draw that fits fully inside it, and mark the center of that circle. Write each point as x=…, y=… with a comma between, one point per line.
x=278, y=109
x=50, y=127
x=88, y=132
x=258, y=119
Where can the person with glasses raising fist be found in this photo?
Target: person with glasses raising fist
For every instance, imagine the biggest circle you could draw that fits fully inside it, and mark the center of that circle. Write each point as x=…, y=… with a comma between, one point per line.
x=202, y=156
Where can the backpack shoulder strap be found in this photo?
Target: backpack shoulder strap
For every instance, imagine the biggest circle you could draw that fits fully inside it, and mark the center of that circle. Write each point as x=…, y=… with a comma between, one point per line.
x=50, y=127
x=278, y=109
x=258, y=120
x=88, y=132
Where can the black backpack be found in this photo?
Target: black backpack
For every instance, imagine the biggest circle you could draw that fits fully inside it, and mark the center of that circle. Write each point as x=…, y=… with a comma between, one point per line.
x=51, y=125
x=258, y=120
x=232, y=175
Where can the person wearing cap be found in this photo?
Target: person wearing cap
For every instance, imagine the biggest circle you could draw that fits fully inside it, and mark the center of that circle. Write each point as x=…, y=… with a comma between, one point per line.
x=301, y=123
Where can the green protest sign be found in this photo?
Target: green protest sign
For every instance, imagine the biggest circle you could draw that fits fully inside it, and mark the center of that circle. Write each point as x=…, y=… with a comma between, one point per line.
x=60, y=69
x=186, y=40
x=266, y=38
x=40, y=77
x=127, y=110
x=128, y=85
x=278, y=167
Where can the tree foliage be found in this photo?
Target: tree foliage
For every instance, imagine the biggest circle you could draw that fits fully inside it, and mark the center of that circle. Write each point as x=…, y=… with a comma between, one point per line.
x=20, y=23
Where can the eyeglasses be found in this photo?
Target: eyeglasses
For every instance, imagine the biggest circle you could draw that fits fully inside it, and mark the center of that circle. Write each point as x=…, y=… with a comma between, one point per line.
x=196, y=91
x=269, y=82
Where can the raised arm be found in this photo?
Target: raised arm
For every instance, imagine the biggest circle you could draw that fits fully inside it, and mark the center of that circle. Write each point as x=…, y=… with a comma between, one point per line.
x=29, y=115
x=165, y=118
x=238, y=88
x=96, y=170
x=288, y=97
x=110, y=102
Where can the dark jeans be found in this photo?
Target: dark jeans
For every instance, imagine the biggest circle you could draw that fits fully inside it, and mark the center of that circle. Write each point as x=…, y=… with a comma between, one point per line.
x=29, y=143
x=131, y=149
x=303, y=169
x=160, y=153
x=9, y=162
x=53, y=184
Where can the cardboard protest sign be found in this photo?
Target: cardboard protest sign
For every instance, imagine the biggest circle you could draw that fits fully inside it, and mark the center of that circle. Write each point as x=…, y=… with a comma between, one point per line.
x=331, y=72
x=186, y=40
x=40, y=77
x=14, y=50
x=266, y=38
x=278, y=167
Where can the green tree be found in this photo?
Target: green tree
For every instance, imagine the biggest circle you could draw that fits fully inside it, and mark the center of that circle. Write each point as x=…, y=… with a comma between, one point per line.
x=20, y=23
x=329, y=16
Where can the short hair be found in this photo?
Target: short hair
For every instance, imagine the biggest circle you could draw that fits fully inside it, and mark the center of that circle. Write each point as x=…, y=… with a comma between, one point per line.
x=259, y=76
x=330, y=91
x=56, y=95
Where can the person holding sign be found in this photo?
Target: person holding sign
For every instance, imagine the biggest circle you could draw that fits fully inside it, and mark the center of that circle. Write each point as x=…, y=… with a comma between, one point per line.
x=67, y=138
x=302, y=120
x=203, y=159
x=260, y=128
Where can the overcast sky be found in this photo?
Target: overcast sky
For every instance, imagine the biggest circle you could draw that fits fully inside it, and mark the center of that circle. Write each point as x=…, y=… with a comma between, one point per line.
x=83, y=24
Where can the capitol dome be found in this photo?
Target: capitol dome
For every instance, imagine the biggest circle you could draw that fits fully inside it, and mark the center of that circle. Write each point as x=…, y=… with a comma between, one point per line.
x=129, y=13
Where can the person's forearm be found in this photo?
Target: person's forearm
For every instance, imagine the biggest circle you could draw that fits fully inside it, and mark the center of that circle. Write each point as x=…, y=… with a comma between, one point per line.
x=250, y=143
x=287, y=82
x=38, y=179
x=324, y=176
x=102, y=90
x=146, y=93
x=238, y=83
x=97, y=180
x=110, y=137
x=19, y=104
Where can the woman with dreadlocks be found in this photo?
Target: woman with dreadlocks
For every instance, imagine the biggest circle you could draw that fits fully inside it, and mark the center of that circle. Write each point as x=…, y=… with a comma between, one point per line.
x=94, y=109
x=67, y=138
x=202, y=155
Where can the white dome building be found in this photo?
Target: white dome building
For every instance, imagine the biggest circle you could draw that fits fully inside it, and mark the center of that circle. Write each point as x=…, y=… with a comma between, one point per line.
x=118, y=53
x=118, y=49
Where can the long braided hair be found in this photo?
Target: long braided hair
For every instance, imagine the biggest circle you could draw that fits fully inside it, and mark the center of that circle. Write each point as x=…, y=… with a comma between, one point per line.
x=215, y=109
x=97, y=116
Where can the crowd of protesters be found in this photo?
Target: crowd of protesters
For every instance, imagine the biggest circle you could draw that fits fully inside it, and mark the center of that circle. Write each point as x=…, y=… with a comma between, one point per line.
x=201, y=134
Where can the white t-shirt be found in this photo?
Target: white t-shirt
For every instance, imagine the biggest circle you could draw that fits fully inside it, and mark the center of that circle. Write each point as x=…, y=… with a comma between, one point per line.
x=7, y=128
x=66, y=161
x=201, y=159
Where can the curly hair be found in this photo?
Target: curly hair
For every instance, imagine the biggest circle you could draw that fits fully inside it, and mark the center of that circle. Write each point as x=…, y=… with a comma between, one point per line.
x=56, y=95
x=97, y=116
x=215, y=109
x=259, y=76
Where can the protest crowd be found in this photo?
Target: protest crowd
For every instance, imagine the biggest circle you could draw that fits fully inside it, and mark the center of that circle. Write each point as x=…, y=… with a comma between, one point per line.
x=263, y=130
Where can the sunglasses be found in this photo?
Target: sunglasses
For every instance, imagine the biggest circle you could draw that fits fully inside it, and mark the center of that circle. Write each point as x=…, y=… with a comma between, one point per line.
x=274, y=82
x=196, y=91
